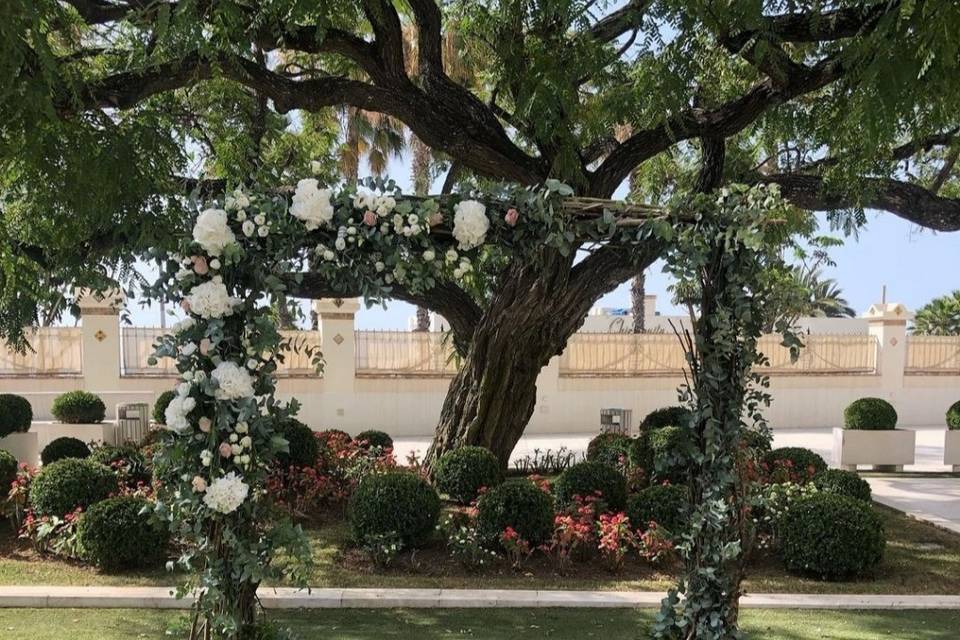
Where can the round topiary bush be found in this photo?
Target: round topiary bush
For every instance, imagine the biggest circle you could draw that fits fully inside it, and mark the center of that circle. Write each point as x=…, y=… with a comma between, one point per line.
x=461, y=473
x=667, y=453
x=118, y=533
x=64, y=447
x=872, y=414
x=67, y=484
x=843, y=483
x=664, y=504
x=800, y=459
x=8, y=472
x=373, y=438
x=665, y=417
x=519, y=504
x=832, y=537
x=609, y=448
x=302, y=444
x=160, y=406
x=79, y=407
x=395, y=503
x=127, y=461
x=953, y=416
x=15, y=414
x=586, y=479
x=639, y=453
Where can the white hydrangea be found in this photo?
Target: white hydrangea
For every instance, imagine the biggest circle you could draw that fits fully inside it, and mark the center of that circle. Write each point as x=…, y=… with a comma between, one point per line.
x=311, y=204
x=175, y=416
x=226, y=494
x=212, y=232
x=184, y=325
x=470, y=224
x=234, y=381
x=211, y=299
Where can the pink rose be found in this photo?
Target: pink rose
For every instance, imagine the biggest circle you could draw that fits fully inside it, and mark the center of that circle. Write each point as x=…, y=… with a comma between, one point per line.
x=225, y=450
x=370, y=218
x=512, y=216
x=205, y=424
x=205, y=345
x=435, y=219
x=185, y=305
x=199, y=484
x=200, y=266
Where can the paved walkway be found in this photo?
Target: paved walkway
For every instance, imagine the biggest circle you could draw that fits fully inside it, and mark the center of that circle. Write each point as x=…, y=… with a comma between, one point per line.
x=162, y=598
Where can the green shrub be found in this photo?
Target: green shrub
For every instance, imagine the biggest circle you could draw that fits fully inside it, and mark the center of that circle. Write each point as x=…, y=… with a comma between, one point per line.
x=64, y=447
x=832, y=537
x=15, y=414
x=667, y=452
x=639, y=453
x=118, y=533
x=843, y=483
x=127, y=461
x=461, y=473
x=373, y=438
x=303, y=445
x=587, y=479
x=870, y=414
x=517, y=503
x=665, y=417
x=160, y=406
x=8, y=473
x=400, y=504
x=756, y=440
x=953, y=415
x=67, y=484
x=802, y=461
x=609, y=448
x=664, y=504
x=79, y=407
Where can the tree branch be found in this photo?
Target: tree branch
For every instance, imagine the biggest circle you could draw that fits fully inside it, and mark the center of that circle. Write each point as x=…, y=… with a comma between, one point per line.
x=816, y=26
x=616, y=24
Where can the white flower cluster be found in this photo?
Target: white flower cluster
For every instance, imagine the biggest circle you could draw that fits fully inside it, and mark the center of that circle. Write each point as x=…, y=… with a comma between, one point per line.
x=237, y=200
x=212, y=232
x=257, y=225
x=226, y=494
x=311, y=204
x=175, y=416
x=184, y=325
x=381, y=205
x=470, y=224
x=234, y=381
x=211, y=299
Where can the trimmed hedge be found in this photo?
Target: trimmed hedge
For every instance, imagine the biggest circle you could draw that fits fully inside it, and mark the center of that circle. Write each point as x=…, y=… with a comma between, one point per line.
x=304, y=448
x=609, y=448
x=586, y=479
x=127, y=460
x=664, y=504
x=871, y=414
x=832, y=537
x=843, y=483
x=373, y=438
x=67, y=484
x=953, y=415
x=666, y=448
x=79, y=407
x=461, y=473
x=395, y=503
x=118, y=533
x=517, y=503
x=802, y=459
x=160, y=406
x=8, y=472
x=665, y=417
x=65, y=447
x=16, y=414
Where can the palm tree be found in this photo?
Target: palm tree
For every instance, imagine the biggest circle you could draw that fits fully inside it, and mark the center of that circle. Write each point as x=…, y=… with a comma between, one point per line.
x=826, y=298
x=638, y=308
x=374, y=135
x=939, y=317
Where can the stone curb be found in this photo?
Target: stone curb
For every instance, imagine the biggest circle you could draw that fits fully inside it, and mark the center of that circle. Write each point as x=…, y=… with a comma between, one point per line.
x=286, y=598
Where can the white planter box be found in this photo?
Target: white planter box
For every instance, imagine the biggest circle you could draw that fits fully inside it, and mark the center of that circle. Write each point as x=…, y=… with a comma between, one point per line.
x=853, y=447
x=23, y=446
x=104, y=432
x=951, y=448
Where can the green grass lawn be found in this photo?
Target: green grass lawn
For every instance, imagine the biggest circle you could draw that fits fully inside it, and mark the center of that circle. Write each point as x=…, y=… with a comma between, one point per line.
x=920, y=558
x=488, y=624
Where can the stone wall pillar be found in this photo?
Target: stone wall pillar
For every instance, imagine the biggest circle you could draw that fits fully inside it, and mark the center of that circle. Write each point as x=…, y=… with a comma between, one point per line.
x=100, y=339
x=336, y=324
x=888, y=324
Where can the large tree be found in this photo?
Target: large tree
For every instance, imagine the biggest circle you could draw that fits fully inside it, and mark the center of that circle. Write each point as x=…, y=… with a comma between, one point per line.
x=846, y=105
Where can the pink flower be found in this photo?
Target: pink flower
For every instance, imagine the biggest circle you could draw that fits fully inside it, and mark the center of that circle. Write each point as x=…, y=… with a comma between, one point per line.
x=512, y=216
x=225, y=450
x=185, y=305
x=370, y=218
x=200, y=266
x=199, y=484
x=205, y=424
x=205, y=345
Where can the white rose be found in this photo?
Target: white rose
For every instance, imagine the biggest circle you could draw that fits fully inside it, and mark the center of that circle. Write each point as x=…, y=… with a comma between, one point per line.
x=263, y=231
x=311, y=204
x=252, y=364
x=363, y=200
x=249, y=228
x=316, y=167
x=329, y=255
x=242, y=427
x=206, y=457
x=429, y=255
x=246, y=442
x=451, y=255
x=260, y=218
x=340, y=244
x=212, y=232
x=226, y=494
x=241, y=216
x=215, y=264
x=233, y=381
x=211, y=300
x=184, y=325
x=379, y=266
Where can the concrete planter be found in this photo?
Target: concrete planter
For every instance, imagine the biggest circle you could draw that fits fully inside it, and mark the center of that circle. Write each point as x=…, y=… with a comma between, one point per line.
x=23, y=446
x=951, y=448
x=105, y=432
x=882, y=450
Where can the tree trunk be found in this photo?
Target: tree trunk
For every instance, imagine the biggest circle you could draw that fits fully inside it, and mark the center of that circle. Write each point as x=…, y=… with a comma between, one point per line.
x=638, y=292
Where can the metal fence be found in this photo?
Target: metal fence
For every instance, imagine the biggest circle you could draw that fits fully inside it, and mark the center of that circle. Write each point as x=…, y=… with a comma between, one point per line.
x=652, y=354
x=55, y=351
x=409, y=353
x=933, y=355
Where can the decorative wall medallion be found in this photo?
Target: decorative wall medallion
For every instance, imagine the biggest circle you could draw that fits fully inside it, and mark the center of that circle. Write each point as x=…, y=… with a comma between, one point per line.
x=100, y=335
x=893, y=342
x=338, y=302
x=338, y=339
